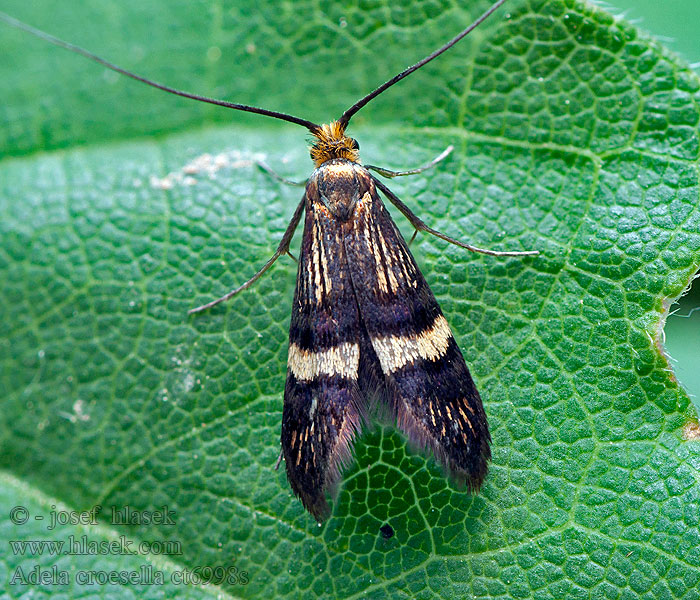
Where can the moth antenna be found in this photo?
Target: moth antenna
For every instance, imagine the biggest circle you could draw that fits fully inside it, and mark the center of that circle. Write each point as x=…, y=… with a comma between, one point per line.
x=47, y=37
x=348, y=114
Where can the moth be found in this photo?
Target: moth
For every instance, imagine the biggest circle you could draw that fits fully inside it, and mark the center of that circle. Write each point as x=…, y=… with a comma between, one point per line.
x=366, y=332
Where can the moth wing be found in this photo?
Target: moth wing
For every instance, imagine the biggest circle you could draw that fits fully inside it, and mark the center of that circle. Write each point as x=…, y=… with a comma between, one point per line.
x=429, y=389
x=323, y=409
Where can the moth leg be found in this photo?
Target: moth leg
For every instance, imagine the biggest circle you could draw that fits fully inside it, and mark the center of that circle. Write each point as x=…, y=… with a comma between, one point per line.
x=421, y=226
x=283, y=248
x=387, y=173
x=270, y=171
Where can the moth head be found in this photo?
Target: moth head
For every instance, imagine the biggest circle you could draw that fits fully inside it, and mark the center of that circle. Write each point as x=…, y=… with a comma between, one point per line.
x=331, y=142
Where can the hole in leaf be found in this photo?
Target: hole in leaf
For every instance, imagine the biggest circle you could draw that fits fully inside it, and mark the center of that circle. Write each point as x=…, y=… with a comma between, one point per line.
x=387, y=531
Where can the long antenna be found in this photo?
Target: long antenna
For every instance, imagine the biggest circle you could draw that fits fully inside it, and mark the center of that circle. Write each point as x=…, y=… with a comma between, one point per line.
x=312, y=127
x=348, y=114
x=78, y=50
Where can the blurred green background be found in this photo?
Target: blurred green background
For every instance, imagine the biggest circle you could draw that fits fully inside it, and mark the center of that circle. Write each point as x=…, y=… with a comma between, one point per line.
x=675, y=24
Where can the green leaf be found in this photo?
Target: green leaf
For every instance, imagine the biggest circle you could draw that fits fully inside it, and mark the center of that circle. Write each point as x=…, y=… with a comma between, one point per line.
x=98, y=553
x=574, y=135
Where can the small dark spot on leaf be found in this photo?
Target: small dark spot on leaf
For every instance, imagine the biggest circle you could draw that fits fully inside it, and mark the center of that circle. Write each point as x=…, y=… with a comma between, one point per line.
x=387, y=531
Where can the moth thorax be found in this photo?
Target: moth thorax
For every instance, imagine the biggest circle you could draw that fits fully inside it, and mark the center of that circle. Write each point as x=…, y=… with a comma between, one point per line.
x=333, y=143
x=340, y=184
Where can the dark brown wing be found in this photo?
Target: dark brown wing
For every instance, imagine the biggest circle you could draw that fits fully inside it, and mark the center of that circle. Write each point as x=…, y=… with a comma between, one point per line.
x=429, y=389
x=323, y=409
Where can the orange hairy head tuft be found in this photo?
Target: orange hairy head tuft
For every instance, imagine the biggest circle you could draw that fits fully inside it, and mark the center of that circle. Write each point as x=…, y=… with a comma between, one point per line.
x=333, y=143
